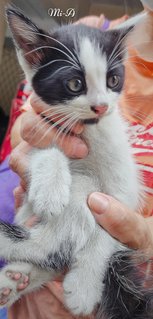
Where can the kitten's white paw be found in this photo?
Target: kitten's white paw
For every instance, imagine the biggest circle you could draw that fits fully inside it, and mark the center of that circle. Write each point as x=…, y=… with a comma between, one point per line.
x=81, y=296
x=49, y=190
x=13, y=282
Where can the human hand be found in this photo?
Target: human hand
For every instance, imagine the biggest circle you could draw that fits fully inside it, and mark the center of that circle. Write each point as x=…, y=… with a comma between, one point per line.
x=37, y=132
x=129, y=227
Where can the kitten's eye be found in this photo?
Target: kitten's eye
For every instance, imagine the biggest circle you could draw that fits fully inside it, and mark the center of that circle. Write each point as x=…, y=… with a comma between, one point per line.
x=75, y=85
x=113, y=81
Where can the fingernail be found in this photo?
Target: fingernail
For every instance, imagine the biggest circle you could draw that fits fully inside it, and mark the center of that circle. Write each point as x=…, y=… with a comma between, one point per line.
x=80, y=150
x=26, y=279
x=79, y=130
x=98, y=203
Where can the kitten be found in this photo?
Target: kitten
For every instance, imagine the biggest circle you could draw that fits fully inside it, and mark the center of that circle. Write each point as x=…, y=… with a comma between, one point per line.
x=78, y=73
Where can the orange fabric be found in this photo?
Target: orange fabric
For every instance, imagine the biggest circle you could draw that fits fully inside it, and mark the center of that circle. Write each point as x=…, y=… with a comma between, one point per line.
x=136, y=105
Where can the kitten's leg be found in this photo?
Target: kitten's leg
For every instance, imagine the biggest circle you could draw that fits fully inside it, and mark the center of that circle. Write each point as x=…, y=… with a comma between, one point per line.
x=50, y=182
x=17, y=275
x=40, y=245
x=83, y=285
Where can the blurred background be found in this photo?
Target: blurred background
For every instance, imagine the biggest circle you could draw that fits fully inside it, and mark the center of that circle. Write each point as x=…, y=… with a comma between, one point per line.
x=40, y=11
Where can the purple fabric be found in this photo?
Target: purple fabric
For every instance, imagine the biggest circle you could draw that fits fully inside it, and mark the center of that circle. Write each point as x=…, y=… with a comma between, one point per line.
x=105, y=25
x=8, y=181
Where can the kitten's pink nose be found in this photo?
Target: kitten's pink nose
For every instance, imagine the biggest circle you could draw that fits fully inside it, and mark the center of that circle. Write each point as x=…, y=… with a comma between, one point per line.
x=99, y=109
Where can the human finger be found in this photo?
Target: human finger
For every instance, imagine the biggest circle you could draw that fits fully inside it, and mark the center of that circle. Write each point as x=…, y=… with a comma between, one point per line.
x=41, y=134
x=19, y=160
x=128, y=227
x=41, y=108
x=18, y=196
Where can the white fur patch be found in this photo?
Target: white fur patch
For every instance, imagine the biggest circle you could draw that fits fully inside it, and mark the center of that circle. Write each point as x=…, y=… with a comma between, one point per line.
x=95, y=65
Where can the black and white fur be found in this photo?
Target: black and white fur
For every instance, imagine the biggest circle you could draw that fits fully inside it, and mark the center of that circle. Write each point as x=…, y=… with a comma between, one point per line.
x=67, y=235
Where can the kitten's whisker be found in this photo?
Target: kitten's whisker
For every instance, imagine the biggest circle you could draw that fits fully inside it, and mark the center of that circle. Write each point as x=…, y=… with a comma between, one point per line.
x=61, y=119
x=45, y=123
x=36, y=130
x=145, y=118
x=54, y=61
x=137, y=96
x=53, y=48
x=56, y=109
x=118, y=52
x=64, y=126
x=30, y=133
x=59, y=114
x=116, y=46
x=70, y=128
x=137, y=115
x=52, y=108
x=68, y=131
x=53, y=126
x=134, y=110
x=48, y=131
x=115, y=65
x=59, y=42
x=131, y=46
x=58, y=70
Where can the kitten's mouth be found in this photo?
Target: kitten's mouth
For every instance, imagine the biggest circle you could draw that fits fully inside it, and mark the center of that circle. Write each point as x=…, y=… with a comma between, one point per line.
x=65, y=130
x=90, y=121
x=51, y=122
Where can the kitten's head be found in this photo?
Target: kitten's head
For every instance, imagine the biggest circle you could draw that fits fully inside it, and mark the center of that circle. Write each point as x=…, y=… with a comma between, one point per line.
x=76, y=68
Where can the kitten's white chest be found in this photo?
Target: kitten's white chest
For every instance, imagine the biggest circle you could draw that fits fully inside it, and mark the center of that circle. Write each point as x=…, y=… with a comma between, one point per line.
x=110, y=164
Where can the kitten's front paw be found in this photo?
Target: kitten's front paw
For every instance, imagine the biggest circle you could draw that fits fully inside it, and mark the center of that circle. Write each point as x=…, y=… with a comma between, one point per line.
x=81, y=296
x=49, y=190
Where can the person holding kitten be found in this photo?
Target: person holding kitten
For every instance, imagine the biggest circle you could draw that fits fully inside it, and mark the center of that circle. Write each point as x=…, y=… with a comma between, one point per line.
x=131, y=229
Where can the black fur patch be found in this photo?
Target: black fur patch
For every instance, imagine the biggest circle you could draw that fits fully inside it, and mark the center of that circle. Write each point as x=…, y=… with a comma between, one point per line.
x=52, y=87
x=60, y=260
x=90, y=121
x=14, y=232
x=125, y=296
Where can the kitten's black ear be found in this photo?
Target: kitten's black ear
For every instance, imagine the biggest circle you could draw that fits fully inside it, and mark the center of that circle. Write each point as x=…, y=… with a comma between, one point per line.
x=118, y=40
x=28, y=38
x=122, y=34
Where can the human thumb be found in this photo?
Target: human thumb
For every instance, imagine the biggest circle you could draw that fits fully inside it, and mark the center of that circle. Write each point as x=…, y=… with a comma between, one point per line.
x=122, y=223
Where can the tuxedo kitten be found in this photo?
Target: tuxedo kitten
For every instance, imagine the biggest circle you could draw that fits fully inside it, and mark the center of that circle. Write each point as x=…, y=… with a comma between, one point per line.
x=78, y=73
